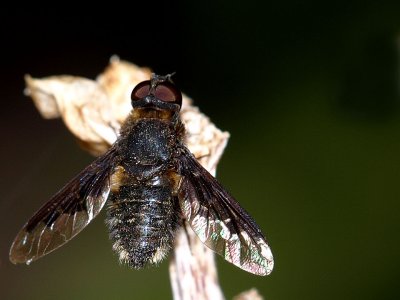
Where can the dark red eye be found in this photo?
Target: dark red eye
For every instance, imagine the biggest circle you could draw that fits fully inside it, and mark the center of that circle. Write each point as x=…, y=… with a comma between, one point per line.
x=167, y=92
x=141, y=90
x=164, y=91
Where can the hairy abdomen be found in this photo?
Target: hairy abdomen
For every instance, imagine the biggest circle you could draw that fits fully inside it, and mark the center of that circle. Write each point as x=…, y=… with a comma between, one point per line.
x=142, y=220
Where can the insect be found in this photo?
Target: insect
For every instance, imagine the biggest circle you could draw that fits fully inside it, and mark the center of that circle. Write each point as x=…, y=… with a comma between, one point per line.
x=151, y=183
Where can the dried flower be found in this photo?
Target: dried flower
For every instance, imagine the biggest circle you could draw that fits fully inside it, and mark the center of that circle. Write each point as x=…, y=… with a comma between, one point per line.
x=93, y=110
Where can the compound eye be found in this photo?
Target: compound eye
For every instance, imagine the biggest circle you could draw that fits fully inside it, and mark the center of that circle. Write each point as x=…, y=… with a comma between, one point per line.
x=168, y=92
x=141, y=90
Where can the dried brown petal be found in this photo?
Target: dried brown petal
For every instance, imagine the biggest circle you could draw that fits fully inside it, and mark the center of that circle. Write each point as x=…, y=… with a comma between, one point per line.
x=81, y=103
x=249, y=295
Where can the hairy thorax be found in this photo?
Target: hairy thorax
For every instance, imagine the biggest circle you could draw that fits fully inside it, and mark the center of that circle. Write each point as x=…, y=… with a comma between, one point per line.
x=147, y=148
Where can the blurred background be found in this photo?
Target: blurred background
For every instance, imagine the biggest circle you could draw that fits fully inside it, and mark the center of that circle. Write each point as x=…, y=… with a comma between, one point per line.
x=310, y=94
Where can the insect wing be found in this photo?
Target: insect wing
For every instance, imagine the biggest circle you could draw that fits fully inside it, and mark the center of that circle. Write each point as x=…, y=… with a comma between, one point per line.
x=66, y=213
x=219, y=221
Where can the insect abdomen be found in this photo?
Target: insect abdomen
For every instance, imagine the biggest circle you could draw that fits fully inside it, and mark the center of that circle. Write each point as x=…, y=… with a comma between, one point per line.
x=142, y=220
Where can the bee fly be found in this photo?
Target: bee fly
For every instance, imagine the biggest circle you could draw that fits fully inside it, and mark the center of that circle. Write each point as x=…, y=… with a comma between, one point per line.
x=151, y=183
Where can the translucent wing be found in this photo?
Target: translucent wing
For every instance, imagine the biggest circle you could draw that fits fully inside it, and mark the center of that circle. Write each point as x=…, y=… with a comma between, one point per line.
x=219, y=221
x=66, y=213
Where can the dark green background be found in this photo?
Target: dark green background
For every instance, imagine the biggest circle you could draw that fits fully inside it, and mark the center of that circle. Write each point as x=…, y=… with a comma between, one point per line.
x=310, y=94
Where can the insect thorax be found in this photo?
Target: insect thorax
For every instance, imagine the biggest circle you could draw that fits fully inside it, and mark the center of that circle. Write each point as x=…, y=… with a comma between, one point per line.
x=146, y=148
